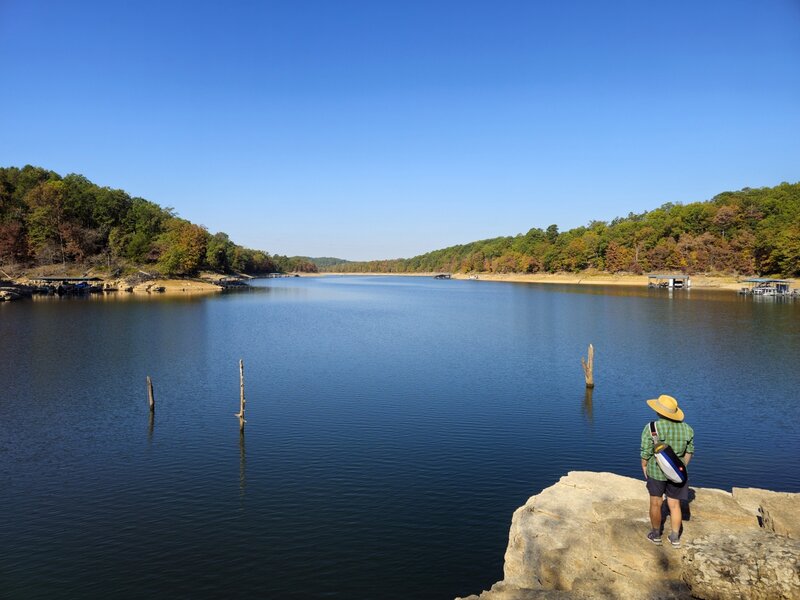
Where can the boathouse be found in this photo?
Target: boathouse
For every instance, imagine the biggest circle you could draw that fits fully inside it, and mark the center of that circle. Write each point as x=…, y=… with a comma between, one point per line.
x=762, y=286
x=669, y=281
x=68, y=285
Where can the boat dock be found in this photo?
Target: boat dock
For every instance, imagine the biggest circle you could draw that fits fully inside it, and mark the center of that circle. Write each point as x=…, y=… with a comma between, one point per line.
x=68, y=285
x=232, y=283
x=762, y=286
x=673, y=282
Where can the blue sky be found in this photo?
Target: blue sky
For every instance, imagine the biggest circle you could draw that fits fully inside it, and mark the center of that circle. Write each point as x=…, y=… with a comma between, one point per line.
x=377, y=129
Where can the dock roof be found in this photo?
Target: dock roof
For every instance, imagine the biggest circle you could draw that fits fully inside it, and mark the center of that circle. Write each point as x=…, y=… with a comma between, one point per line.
x=766, y=280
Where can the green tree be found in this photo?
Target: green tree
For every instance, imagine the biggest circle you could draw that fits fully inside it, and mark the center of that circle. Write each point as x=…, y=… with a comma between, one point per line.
x=46, y=220
x=182, y=248
x=552, y=233
x=220, y=252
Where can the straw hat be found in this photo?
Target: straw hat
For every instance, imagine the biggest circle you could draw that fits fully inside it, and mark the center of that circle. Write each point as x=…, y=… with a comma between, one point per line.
x=667, y=407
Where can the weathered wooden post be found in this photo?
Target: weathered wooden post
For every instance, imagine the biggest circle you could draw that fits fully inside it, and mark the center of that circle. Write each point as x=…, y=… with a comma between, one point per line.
x=150, y=397
x=588, y=366
x=242, y=402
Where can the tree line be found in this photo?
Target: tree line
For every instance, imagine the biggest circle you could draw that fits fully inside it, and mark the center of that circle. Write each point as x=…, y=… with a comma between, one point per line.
x=49, y=219
x=752, y=231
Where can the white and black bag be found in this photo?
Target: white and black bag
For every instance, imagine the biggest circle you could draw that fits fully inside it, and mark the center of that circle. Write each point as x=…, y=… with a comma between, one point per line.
x=667, y=460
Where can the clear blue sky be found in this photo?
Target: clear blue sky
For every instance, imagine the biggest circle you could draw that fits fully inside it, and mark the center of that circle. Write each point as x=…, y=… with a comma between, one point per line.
x=378, y=129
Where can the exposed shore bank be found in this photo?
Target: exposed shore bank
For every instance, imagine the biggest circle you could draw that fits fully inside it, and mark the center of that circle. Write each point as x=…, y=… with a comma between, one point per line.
x=698, y=281
x=37, y=283
x=589, y=278
x=584, y=537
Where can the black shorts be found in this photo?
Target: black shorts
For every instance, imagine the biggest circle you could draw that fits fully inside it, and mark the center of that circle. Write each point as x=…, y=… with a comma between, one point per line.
x=673, y=490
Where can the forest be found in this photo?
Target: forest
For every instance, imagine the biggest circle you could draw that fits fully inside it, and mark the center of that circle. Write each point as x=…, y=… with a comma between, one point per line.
x=46, y=219
x=749, y=232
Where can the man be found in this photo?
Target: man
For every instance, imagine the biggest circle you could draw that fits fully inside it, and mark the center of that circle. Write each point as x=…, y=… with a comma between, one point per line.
x=673, y=431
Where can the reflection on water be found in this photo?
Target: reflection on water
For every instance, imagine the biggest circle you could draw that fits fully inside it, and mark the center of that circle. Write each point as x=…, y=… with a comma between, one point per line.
x=242, y=463
x=394, y=421
x=587, y=403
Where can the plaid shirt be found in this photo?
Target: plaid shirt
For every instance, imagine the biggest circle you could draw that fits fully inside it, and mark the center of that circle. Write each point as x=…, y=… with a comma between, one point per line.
x=678, y=435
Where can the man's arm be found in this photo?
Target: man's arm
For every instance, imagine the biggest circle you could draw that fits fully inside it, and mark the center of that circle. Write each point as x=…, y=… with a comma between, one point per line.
x=646, y=448
x=687, y=457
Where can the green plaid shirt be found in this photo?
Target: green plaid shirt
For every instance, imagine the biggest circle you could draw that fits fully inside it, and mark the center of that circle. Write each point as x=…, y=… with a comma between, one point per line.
x=678, y=435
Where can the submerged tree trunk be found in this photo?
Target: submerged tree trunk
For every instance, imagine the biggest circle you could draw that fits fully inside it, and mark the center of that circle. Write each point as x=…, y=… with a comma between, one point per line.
x=588, y=367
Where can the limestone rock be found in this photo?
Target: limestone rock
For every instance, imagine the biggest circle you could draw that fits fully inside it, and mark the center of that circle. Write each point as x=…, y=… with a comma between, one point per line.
x=585, y=537
x=501, y=591
x=779, y=511
x=755, y=565
x=587, y=534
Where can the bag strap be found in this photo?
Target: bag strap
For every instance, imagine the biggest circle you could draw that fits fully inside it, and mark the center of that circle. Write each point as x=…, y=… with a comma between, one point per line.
x=654, y=433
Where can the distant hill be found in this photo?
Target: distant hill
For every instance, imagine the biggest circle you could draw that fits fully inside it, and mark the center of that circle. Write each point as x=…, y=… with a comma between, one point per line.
x=49, y=219
x=326, y=261
x=745, y=232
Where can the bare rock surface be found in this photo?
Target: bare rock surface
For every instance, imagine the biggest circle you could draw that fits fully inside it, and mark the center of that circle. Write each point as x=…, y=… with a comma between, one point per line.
x=778, y=510
x=585, y=537
x=754, y=565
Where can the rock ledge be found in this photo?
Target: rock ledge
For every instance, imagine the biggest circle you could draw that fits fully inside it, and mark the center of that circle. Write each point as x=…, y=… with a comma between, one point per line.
x=584, y=537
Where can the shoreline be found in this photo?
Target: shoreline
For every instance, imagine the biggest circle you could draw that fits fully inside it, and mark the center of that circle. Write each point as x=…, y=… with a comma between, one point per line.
x=212, y=283
x=34, y=284
x=721, y=282
x=699, y=281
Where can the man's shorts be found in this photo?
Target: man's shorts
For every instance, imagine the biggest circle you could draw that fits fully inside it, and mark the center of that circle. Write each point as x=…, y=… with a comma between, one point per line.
x=673, y=490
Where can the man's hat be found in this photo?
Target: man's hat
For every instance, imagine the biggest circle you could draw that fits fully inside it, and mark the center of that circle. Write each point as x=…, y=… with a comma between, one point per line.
x=667, y=407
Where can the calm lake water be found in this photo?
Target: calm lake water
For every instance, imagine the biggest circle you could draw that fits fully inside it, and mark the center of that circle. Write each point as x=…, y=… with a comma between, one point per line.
x=394, y=424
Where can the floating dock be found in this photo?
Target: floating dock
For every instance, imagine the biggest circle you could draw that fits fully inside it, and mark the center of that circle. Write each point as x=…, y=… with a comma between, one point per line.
x=763, y=286
x=673, y=282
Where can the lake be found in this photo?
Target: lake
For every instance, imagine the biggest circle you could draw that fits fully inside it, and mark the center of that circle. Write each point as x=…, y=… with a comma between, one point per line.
x=393, y=426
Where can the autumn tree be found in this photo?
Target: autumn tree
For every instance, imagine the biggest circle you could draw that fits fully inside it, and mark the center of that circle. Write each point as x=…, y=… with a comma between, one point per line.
x=182, y=248
x=617, y=258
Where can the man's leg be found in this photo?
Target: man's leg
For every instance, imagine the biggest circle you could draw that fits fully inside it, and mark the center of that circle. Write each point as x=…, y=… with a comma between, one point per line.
x=655, y=511
x=655, y=489
x=674, y=513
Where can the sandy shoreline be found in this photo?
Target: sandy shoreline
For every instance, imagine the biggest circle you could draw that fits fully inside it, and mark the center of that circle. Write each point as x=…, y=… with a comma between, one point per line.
x=698, y=281
x=177, y=286
x=206, y=283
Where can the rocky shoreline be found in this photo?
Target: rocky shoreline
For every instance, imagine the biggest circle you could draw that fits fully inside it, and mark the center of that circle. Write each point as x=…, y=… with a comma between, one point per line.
x=587, y=278
x=584, y=537
x=141, y=283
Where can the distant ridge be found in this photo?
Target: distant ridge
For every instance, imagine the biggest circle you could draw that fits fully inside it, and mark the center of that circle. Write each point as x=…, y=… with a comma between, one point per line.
x=735, y=233
x=324, y=261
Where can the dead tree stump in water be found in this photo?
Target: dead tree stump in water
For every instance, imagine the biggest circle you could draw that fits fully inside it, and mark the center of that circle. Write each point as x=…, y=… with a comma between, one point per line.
x=150, y=397
x=242, y=402
x=588, y=367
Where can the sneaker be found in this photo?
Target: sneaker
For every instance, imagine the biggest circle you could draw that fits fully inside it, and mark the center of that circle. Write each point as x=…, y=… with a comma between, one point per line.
x=655, y=537
x=674, y=539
